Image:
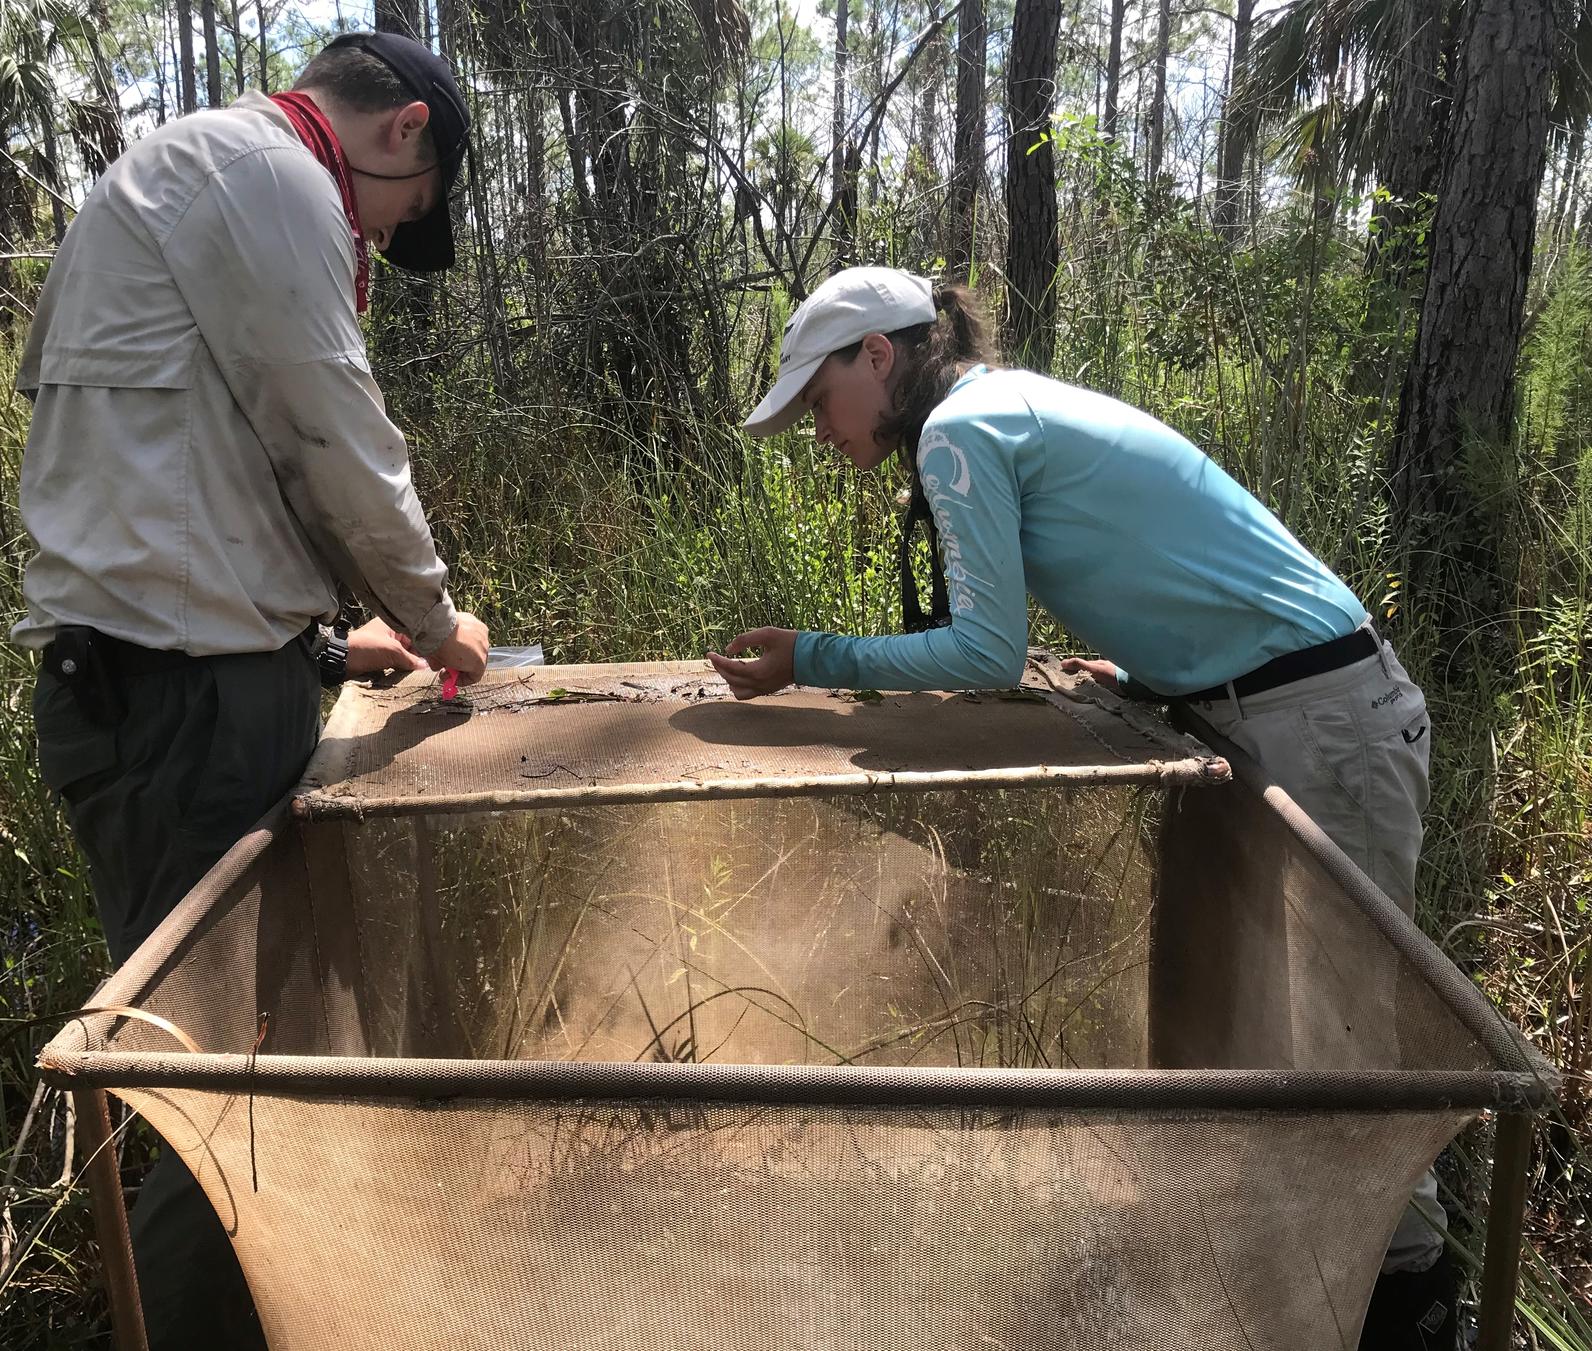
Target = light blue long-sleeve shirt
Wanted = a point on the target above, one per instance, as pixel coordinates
(1131, 537)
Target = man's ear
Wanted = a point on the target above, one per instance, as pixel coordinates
(408, 122)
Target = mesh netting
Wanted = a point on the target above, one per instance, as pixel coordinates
(617, 733)
(1062, 1060)
(663, 1224)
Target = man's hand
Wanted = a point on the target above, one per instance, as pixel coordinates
(375, 647)
(464, 650)
(774, 670)
(1101, 672)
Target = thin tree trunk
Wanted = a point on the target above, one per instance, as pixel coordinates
(925, 166)
(239, 79)
(265, 48)
(160, 49)
(1567, 184)
(1238, 127)
(1119, 13)
(1033, 246)
(491, 292)
(55, 178)
(190, 91)
(213, 90)
(1163, 49)
(844, 219)
(575, 145)
(160, 84)
(536, 198)
(877, 46)
(1458, 400)
(967, 173)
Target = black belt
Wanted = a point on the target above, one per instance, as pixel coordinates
(129, 659)
(93, 665)
(1332, 655)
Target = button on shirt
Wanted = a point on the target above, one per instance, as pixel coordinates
(209, 455)
(1135, 540)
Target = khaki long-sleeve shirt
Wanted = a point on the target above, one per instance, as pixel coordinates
(209, 455)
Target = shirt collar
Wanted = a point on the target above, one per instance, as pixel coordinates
(978, 370)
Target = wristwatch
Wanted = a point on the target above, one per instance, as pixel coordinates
(330, 651)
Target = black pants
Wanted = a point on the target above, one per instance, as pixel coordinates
(203, 752)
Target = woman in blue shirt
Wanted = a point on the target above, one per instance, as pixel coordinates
(1141, 546)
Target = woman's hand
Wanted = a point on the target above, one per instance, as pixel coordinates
(1101, 672)
(772, 671)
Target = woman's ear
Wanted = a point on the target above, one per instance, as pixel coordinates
(880, 352)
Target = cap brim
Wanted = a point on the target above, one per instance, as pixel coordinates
(782, 407)
(424, 245)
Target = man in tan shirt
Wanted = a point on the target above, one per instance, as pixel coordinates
(210, 470)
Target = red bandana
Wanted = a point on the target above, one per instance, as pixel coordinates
(321, 141)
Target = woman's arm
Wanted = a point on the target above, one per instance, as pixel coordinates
(970, 479)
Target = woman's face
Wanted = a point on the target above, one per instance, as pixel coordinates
(849, 400)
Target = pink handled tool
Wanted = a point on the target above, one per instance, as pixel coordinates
(450, 683)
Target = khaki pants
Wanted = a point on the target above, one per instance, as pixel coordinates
(1352, 748)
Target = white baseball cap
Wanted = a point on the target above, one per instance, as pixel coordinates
(843, 310)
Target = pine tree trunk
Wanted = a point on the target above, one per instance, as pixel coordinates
(265, 48)
(1238, 128)
(878, 48)
(1450, 455)
(55, 179)
(1163, 48)
(398, 16)
(935, 58)
(536, 199)
(235, 27)
(214, 94)
(967, 172)
(160, 86)
(1119, 13)
(190, 90)
(845, 223)
(1033, 246)
(1413, 157)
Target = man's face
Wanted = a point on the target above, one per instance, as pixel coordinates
(412, 185)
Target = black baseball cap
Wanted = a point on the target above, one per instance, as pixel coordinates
(424, 245)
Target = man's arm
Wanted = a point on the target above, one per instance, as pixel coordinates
(265, 261)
